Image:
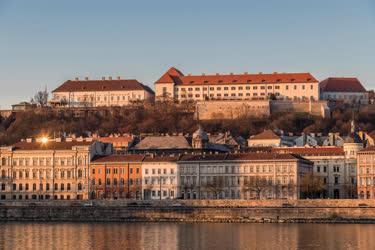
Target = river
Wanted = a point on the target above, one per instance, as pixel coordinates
(185, 236)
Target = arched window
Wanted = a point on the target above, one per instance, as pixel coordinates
(3, 161)
(80, 173)
(80, 161)
(47, 186)
(100, 181)
(62, 186)
(68, 187)
(115, 181)
(108, 181)
(56, 186)
(79, 186)
(34, 186)
(122, 181)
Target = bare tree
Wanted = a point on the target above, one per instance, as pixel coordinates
(311, 185)
(216, 186)
(256, 184)
(40, 98)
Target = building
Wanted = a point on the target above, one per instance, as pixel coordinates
(48, 169)
(121, 143)
(100, 93)
(160, 178)
(242, 176)
(333, 167)
(366, 173)
(117, 177)
(23, 106)
(292, 86)
(345, 89)
(267, 138)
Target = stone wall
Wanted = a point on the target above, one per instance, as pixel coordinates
(231, 109)
(193, 211)
(319, 108)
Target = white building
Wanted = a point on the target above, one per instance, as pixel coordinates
(267, 138)
(346, 89)
(242, 176)
(291, 86)
(159, 178)
(100, 93)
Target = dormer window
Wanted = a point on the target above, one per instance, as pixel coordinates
(191, 81)
(205, 81)
(220, 81)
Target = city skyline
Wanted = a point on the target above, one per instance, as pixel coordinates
(48, 43)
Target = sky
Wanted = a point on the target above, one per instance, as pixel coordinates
(44, 43)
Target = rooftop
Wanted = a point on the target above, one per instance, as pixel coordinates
(51, 145)
(341, 84)
(101, 85)
(310, 150)
(163, 142)
(119, 159)
(265, 135)
(175, 76)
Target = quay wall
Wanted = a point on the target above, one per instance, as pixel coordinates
(329, 211)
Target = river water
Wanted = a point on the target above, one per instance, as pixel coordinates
(185, 236)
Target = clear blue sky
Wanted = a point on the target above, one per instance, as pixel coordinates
(44, 42)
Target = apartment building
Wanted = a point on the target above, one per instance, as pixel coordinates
(242, 176)
(160, 178)
(48, 169)
(336, 171)
(117, 177)
(366, 173)
(291, 86)
(100, 93)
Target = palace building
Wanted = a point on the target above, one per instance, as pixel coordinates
(48, 169)
(287, 86)
(100, 93)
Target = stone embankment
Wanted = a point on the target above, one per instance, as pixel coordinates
(303, 211)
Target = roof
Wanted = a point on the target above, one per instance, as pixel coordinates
(175, 76)
(102, 85)
(341, 84)
(51, 145)
(160, 159)
(310, 151)
(240, 157)
(119, 159)
(265, 135)
(163, 142)
(117, 140)
(368, 150)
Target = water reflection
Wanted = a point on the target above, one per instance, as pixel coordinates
(184, 236)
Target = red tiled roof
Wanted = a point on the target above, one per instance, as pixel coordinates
(175, 76)
(310, 151)
(265, 135)
(368, 149)
(49, 145)
(341, 84)
(101, 85)
(239, 157)
(160, 159)
(119, 159)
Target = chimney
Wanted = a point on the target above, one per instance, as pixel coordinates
(103, 78)
(231, 73)
(86, 78)
(189, 74)
(246, 73)
(77, 78)
(260, 73)
(217, 74)
(119, 78)
(110, 78)
(203, 74)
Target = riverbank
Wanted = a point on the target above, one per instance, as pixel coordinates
(269, 211)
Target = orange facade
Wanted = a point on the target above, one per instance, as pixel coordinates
(116, 177)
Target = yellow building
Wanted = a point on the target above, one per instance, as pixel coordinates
(48, 169)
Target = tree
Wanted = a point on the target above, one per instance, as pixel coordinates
(40, 98)
(256, 184)
(312, 186)
(216, 186)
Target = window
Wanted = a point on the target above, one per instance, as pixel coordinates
(233, 88)
(68, 186)
(62, 186)
(47, 186)
(226, 88)
(27, 186)
(93, 171)
(56, 186)
(80, 173)
(79, 186)
(20, 187)
(336, 180)
(108, 181)
(34, 187)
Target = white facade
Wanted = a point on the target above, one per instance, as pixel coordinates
(159, 178)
